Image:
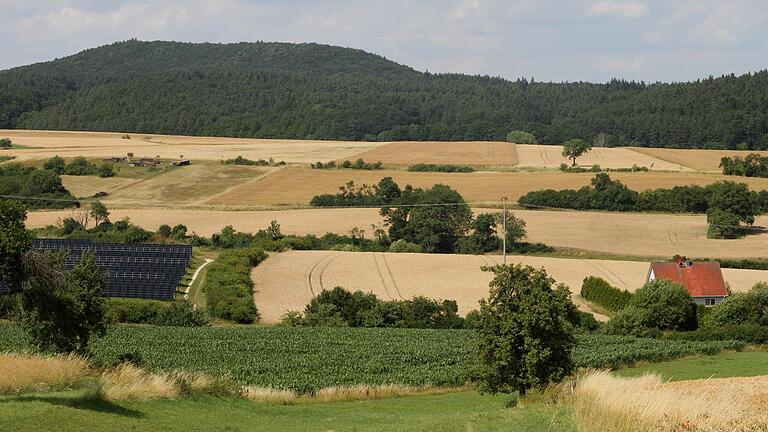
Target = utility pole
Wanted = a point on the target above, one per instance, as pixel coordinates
(504, 239)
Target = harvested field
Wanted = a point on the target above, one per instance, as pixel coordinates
(207, 222)
(44, 144)
(295, 185)
(287, 281)
(476, 153)
(635, 234)
(551, 156)
(700, 160)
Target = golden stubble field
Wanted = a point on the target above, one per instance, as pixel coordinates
(634, 234)
(44, 144)
(287, 281)
(475, 153)
(551, 156)
(297, 185)
(700, 160)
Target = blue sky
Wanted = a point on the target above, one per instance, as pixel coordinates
(577, 40)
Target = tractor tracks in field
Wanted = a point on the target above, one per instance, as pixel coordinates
(606, 271)
(317, 270)
(393, 292)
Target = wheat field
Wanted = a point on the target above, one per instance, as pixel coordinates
(297, 185)
(697, 159)
(551, 156)
(44, 144)
(475, 153)
(287, 281)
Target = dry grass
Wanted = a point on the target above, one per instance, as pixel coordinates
(700, 160)
(288, 281)
(35, 373)
(127, 382)
(342, 394)
(551, 156)
(295, 185)
(606, 403)
(108, 144)
(476, 153)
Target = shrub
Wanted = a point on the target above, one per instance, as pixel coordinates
(660, 304)
(106, 170)
(5, 143)
(56, 164)
(80, 166)
(164, 230)
(134, 311)
(750, 308)
(402, 246)
(602, 293)
(181, 314)
(749, 333)
(422, 167)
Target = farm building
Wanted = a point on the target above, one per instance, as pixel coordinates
(703, 279)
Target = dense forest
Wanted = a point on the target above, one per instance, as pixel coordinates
(324, 92)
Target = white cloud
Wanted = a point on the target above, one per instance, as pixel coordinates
(618, 9)
(463, 8)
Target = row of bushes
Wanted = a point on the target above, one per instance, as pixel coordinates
(727, 204)
(749, 333)
(422, 167)
(596, 169)
(229, 288)
(240, 160)
(754, 165)
(602, 293)
(140, 311)
(358, 165)
(341, 308)
(78, 166)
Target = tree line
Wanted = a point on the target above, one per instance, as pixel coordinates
(727, 204)
(311, 91)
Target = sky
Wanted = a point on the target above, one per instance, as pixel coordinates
(548, 40)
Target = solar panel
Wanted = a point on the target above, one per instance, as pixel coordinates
(151, 271)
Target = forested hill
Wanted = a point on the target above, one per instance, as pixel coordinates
(272, 90)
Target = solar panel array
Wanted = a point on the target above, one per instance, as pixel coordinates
(150, 271)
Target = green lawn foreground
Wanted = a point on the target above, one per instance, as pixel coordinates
(465, 411)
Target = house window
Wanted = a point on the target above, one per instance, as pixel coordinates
(709, 302)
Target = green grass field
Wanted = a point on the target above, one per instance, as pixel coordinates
(465, 411)
(723, 365)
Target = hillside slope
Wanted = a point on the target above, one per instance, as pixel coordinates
(282, 90)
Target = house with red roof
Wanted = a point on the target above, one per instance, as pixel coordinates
(703, 279)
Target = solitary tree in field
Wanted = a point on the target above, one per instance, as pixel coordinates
(526, 336)
(574, 148)
(99, 212)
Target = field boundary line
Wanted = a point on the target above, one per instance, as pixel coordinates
(208, 199)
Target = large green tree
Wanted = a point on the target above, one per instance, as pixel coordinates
(15, 241)
(62, 310)
(575, 148)
(526, 332)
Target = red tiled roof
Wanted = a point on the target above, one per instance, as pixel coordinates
(702, 279)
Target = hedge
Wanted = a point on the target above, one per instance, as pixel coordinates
(601, 292)
(229, 288)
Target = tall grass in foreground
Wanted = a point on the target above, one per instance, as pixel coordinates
(606, 403)
(20, 373)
